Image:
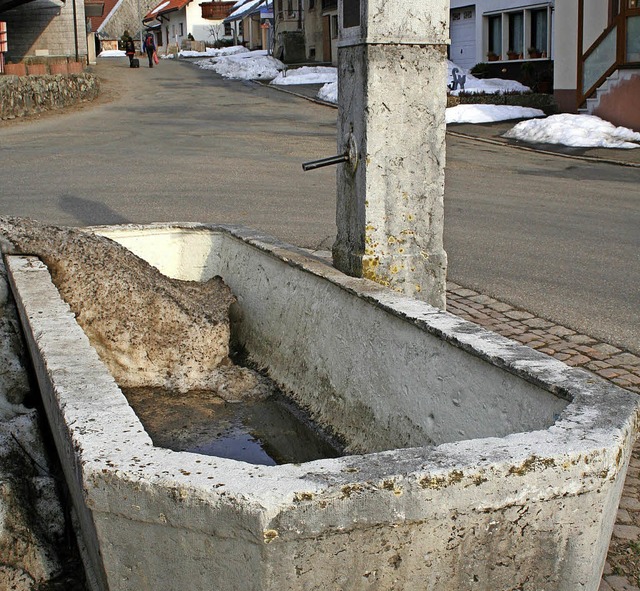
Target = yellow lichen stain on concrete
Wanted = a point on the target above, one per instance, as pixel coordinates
(532, 464)
(304, 496)
(418, 287)
(349, 489)
(269, 535)
(433, 482)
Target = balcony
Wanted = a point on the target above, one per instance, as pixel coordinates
(216, 11)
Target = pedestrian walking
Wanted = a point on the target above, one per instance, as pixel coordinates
(130, 50)
(150, 47)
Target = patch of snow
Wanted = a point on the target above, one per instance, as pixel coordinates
(583, 131)
(250, 65)
(112, 53)
(307, 75)
(211, 52)
(489, 113)
(329, 92)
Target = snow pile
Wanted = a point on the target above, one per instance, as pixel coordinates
(306, 75)
(583, 131)
(475, 85)
(112, 53)
(211, 52)
(489, 113)
(249, 65)
(329, 92)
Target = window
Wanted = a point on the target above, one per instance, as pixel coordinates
(227, 30)
(539, 30)
(181, 29)
(312, 4)
(516, 35)
(495, 34)
(334, 26)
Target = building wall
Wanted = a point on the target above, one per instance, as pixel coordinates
(201, 28)
(565, 39)
(482, 7)
(45, 28)
(126, 17)
(313, 31)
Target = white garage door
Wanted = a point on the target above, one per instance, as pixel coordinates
(463, 37)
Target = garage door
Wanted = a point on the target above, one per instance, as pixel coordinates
(463, 37)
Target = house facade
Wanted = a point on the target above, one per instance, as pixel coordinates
(597, 61)
(500, 30)
(172, 21)
(251, 23)
(321, 30)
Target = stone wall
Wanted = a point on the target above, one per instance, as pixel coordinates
(27, 95)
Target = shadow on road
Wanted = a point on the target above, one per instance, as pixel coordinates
(89, 212)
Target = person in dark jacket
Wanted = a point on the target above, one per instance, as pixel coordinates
(149, 46)
(130, 50)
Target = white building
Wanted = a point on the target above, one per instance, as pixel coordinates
(506, 30)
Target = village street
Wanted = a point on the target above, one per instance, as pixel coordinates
(557, 237)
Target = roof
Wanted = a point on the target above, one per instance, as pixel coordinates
(107, 8)
(164, 7)
(245, 9)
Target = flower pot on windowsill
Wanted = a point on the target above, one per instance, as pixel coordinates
(514, 55)
(492, 57)
(534, 54)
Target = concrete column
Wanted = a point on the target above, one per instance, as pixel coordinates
(392, 100)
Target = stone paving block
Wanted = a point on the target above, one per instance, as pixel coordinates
(627, 532)
(482, 299)
(464, 292)
(500, 307)
(577, 360)
(538, 323)
(610, 373)
(604, 586)
(606, 349)
(561, 331)
(623, 517)
(537, 344)
(597, 365)
(581, 339)
(618, 583)
(625, 359)
(630, 503)
(562, 356)
(451, 286)
(518, 315)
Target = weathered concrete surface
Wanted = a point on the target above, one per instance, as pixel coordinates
(530, 510)
(32, 523)
(391, 102)
(149, 330)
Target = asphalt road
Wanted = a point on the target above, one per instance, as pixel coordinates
(558, 237)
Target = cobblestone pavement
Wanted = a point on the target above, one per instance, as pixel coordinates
(622, 569)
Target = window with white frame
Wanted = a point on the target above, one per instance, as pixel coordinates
(518, 34)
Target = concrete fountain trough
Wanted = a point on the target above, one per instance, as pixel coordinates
(473, 462)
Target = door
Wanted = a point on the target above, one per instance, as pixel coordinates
(462, 30)
(326, 38)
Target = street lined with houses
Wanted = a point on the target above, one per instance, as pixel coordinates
(542, 248)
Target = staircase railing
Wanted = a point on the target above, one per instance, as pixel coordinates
(617, 46)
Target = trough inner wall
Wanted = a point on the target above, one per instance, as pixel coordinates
(349, 362)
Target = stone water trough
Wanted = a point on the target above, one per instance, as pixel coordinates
(473, 462)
